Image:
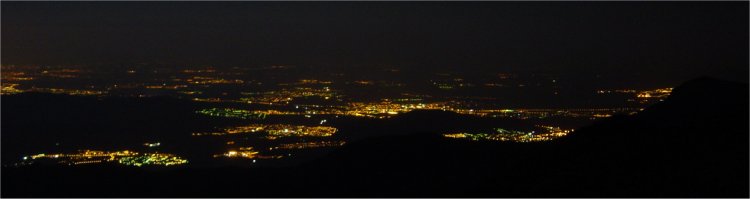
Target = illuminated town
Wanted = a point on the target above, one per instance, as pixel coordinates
(278, 130)
(546, 133)
(232, 113)
(152, 159)
(125, 157)
(247, 153)
(305, 145)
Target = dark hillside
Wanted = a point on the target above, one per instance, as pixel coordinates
(694, 144)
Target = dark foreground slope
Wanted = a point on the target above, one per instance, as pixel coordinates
(694, 144)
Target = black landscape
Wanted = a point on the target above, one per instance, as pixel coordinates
(375, 99)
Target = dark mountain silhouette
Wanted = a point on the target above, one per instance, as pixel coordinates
(694, 144)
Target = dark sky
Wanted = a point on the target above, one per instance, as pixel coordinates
(670, 39)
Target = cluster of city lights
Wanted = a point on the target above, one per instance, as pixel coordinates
(388, 109)
(152, 159)
(642, 96)
(284, 96)
(247, 153)
(500, 134)
(125, 157)
(306, 145)
(658, 93)
(278, 130)
(213, 80)
(232, 113)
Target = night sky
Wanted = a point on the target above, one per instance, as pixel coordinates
(676, 40)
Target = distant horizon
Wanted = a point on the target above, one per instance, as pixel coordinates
(672, 40)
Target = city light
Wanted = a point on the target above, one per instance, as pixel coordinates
(278, 130)
(156, 144)
(547, 133)
(125, 157)
(232, 113)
